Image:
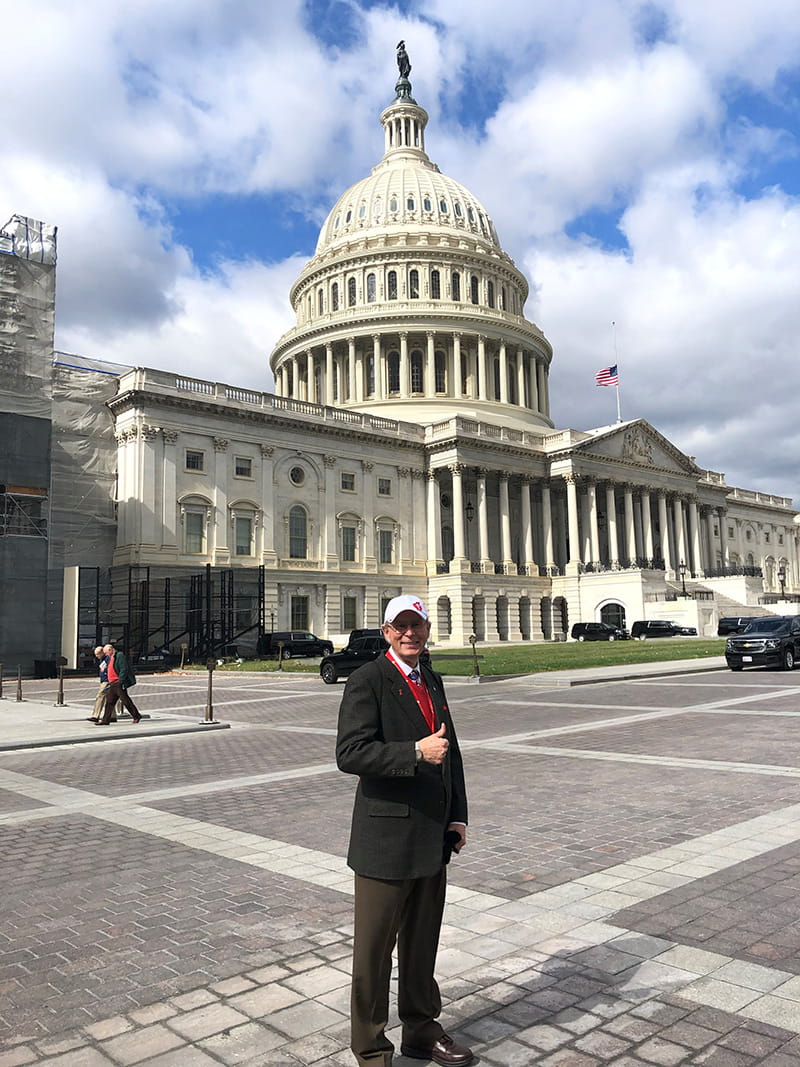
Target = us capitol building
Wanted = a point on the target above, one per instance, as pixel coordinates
(408, 447)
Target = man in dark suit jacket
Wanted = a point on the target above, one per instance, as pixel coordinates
(396, 734)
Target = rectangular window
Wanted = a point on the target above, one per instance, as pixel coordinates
(349, 544)
(243, 467)
(780, 539)
(348, 482)
(385, 546)
(298, 534)
(299, 610)
(243, 527)
(730, 531)
(349, 617)
(384, 487)
(194, 532)
(195, 461)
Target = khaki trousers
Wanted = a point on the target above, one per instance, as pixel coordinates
(99, 704)
(409, 913)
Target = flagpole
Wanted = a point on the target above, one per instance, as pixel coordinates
(616, 362)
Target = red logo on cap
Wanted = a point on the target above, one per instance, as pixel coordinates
(418, 606)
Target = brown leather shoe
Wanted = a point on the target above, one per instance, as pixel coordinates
(444, 1051)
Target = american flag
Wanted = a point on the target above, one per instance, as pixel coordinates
(607, 376)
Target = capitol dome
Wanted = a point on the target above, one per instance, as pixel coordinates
(406, 189)
(410, 308)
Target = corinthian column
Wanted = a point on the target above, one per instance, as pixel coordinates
(458, 511)
(573, 562)
(505, 520)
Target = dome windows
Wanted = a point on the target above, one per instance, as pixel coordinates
(377, 208)
(362, 210)
(393, 367)
(443, 206)
(336, 222)
(471, 215)
(413, 284)
(349, 216)
(426, 204)
(335, 296)
(459, 212)
(490, 294)
(391, 285)
(473, 288)
(393, 204)
(371, 289)
(436, 285)
(351, 292)
(417, 377)
(320, 302)
(410, 203)
(455, 282)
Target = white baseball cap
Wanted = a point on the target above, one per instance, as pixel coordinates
(402, 603)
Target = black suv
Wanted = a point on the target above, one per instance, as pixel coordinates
(295, 643)
(359, 651)
(774, 640)
(647, 628)
(735, 624)
(598, 631)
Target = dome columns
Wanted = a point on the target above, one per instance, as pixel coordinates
(411, 365)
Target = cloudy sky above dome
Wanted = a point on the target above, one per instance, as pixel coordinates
(639, 160)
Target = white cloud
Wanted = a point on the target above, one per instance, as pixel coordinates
(706, 324)
(223, 327)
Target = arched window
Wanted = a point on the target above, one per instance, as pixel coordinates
(391, 285)
(473, 288)
(351, 292)
(393, 204)
(436, 285)
(349, 215)
(455, 282)
(335, 296)
(443, 206)
(470, 214)
(490, 294)
(413, 284)
(298, 533)
(441, 372)
(410, 203)
(394, 372)
(496, 376)
(503, 303)
(371, 289)
(320, 302)
(416, 372)
(362, 210)
(459, 212)
(426, 204)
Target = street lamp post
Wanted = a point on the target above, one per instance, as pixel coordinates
(782, 580)
(682, 569)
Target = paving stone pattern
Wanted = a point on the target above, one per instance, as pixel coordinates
(629, 894)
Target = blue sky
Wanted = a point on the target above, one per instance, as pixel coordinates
(640, 162)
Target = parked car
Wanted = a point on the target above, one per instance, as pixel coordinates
(598, 631)
(370, 631)
(771, 641)
(295, 643)
(643, 629)
(735, 624)
(362, 650)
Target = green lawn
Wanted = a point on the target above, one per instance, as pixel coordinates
(530, 659)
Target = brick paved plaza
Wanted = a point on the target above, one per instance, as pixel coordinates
(630, 893)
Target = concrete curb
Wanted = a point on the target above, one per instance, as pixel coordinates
(112, 735)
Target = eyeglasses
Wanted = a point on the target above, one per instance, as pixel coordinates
(417, 625)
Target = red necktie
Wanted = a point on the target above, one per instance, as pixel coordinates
(423, 698)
